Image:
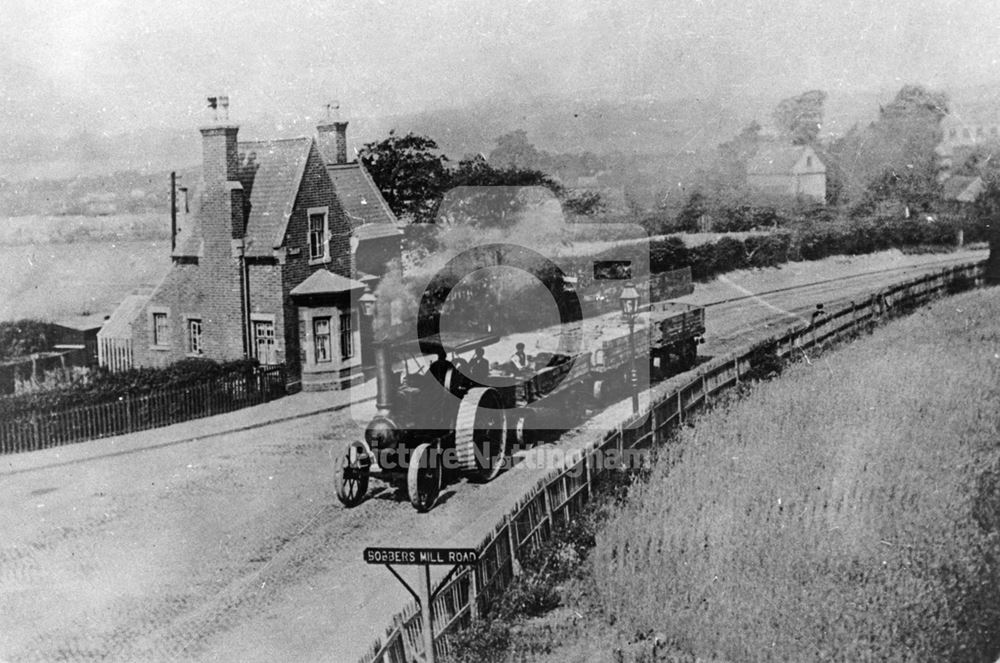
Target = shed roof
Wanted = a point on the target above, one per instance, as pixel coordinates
(962, 188)
(119, 325)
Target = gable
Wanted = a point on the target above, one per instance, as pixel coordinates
(271, 174)
(784, 160)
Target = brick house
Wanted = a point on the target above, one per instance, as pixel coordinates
(793, 170)
(269, 267)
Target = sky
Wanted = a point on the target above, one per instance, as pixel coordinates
(119, 66)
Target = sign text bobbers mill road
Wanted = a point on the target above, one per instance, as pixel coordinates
(421, 556)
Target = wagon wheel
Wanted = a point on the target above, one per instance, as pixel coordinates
(353, 469)
(689, 354)
(423, 477)
(481, 433)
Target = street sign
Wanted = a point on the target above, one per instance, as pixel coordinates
(425, 557)
(409, 556)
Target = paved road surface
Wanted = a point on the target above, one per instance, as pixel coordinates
(161, 547)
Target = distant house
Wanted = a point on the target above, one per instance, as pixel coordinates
(961, 190)
(969, 129)
(793, 170)
(289, 234)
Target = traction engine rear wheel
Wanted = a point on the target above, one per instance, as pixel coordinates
(481, 433)
(423, 477)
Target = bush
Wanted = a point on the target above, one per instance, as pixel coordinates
(24, 337)
(105, 386)
(668, 253)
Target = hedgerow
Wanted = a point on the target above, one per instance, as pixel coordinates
(811, 240)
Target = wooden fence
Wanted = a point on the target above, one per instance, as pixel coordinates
(49, 428)
(563, 493)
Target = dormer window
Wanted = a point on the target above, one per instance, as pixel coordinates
(319, 234)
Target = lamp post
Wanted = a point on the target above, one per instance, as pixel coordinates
(630, 309)
(366, 303)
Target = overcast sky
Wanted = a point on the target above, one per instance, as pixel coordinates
(119, 65)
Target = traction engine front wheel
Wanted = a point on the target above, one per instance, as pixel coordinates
(423, 477)
(352, 472)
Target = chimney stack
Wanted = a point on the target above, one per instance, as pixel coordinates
(332, 136)
(222, 199)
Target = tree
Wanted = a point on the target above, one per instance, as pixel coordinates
(409, 172)
(486, 198)
(895, 155)
(690, 216)
(514, 151)
(800, 118)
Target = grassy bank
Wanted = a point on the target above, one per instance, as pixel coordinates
(848, 511)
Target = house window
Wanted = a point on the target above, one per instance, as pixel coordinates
(953, 133)
(322, 340)
(194, 345)
(161, 329)
(979, 131)
(966, 133)
(319, 231)
(809, 162)
(263, 339)
(347, 335)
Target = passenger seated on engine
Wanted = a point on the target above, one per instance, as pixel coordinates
(479, 367)
(439, 367)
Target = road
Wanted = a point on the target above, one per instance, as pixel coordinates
(234, 547)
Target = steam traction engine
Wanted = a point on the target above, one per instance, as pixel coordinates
(430, 424)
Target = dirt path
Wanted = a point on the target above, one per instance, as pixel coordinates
(235, 548)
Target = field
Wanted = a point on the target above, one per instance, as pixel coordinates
(847, 511)
(116, 228)
(68, 280)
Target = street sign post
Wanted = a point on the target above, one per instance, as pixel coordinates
(425, 557)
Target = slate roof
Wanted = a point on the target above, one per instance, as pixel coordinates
(776, 160)
(323, 282)
(119, 325)
(361, 199)
(271, 173)
(962, 188)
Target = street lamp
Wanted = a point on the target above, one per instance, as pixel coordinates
(367, 302)
(630, 309)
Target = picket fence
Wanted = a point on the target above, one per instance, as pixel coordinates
(41, 429)
(561, 494)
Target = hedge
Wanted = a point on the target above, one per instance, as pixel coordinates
(810, 241)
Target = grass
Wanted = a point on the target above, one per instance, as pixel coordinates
(849, 511)
(845, 512)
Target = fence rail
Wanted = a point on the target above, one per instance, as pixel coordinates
(42, 429)
(563, 492)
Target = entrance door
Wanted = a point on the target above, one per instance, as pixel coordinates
(263, 336)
